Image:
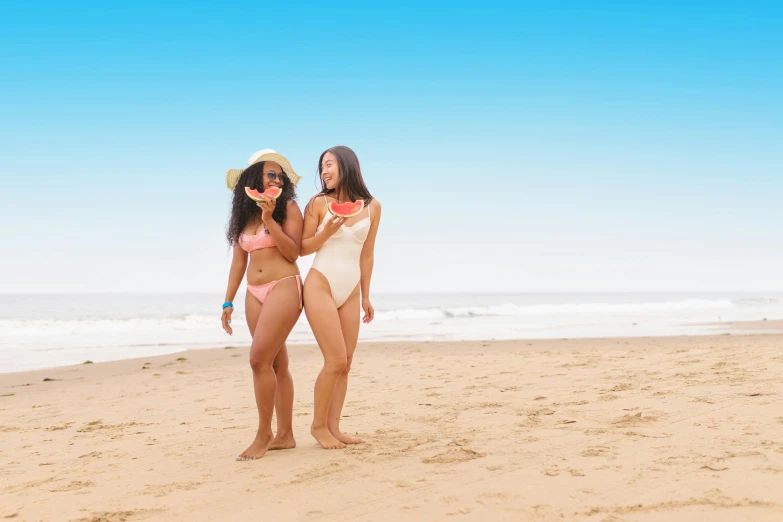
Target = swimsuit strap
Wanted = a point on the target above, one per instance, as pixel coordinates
(326, 213)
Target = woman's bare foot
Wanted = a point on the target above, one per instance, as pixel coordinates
(283, 441)
(258, 448)
(325, 438)
(342, 437)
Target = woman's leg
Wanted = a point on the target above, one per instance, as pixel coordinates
(284, 403)
(284, 398)
(349, 323)
(278, 316)
(325, 322)
(252, 311)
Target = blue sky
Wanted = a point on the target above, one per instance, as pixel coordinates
(572, 146)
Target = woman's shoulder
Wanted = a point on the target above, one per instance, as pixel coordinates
(292, 208)
(316, 207)
(317, 201)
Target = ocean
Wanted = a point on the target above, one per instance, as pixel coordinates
(40, 331)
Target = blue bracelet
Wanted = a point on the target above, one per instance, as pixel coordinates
(227, 304)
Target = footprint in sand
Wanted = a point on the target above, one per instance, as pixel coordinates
(638, 419)
(59, 428)
(454, 455)
(540, 411)
(73, 486)
(485, 405)
(99, 425)
(119, 516)
(93, 454)
(90, 426)
(162, 490)
(320, 472)
(598, 451)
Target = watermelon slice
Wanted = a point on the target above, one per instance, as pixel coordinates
(346, 210)
(270, 193)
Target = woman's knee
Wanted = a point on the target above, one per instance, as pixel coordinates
(280, 366)
(347, 365)
(335, 365)
(259, 360)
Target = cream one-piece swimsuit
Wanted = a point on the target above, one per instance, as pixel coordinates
(338, 258)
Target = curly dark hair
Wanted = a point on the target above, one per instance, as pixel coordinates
(244, 210)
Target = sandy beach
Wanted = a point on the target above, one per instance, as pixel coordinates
(652, 429)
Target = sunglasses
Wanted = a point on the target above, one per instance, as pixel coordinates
(272, 175)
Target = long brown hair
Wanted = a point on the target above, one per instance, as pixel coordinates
(350, 183)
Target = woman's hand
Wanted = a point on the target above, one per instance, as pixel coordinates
(333, 225)
(267, 208)
(369, 311)
(226, 319)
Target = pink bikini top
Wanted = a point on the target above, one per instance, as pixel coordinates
(256, 241)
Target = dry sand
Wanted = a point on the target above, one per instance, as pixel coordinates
(651, 429)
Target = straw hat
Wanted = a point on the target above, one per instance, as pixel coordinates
(232, 176)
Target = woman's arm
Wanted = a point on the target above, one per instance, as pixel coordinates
(312, 242)
(235, 275)
(288, 238)
(367, 260)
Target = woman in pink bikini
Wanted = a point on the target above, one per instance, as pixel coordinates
(338, 284)
(269, 234)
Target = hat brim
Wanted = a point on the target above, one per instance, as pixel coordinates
(232, 176)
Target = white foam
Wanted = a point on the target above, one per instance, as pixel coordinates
(512, 310)
(109, 330)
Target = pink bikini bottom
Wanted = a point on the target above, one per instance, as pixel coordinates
(261, 291)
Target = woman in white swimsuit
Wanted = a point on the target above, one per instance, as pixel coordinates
(339, 277)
